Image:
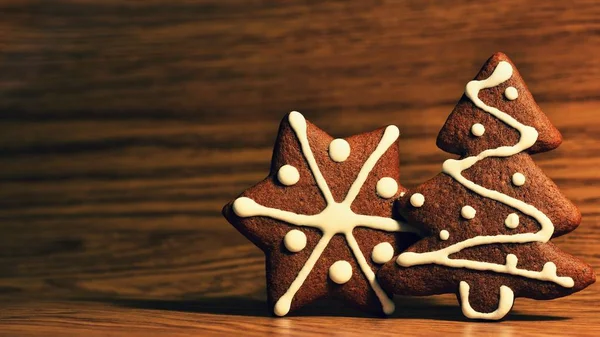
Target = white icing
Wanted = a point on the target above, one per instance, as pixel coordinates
(402, 194)
(294, 240)
(340, 272)
(511, 261)
(339, 150)
(512, 220)
(505, 303)
(417, 200)
(518, 179)
(336, 218)
(387, 187)
(444, 235)
(382, 253)
(468, 212)
(288, 175)
(454, 168)
(511, 93)
(477, 130)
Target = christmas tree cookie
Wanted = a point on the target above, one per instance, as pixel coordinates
(323, 216)
(490, 215)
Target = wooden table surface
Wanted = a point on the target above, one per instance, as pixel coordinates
(126, 125)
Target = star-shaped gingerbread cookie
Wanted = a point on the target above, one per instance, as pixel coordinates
(323, 216)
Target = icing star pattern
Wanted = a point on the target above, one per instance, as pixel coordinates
(335, 218)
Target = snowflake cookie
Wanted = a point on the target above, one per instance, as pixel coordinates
(323, 216)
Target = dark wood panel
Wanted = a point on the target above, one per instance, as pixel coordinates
(258, 59)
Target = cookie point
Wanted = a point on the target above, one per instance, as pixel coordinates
(505, 68)
(242, 207)
(471, 86)
(392, 131)
(295, 116)
(389, 308)
(282, 307)
(500, 55)
(450, 165)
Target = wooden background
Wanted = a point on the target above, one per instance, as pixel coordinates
(126, 125)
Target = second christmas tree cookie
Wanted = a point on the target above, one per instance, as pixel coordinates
(491, 213)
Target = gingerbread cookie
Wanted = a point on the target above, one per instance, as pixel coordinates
(490, 214)
(323, 216)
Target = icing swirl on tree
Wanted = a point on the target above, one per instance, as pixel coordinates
(454, 168)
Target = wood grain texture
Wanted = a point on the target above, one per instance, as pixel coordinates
(126, 125)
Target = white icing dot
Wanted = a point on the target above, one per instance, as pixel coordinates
(511, 261)
(468, 212)
(382, 253)
(512, 220)
(340, 272)
(402, 194)
(387, 187)
(549, 268)
(518, 179)
(288, 175)
(417, 200)
(444, 234)
(339, 150)
(511, 93)
(477, 129)
(294, 241)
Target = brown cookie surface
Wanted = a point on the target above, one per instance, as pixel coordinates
(489, 215)
(323, 216)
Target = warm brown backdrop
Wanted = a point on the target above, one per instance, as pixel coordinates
(126, 125)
